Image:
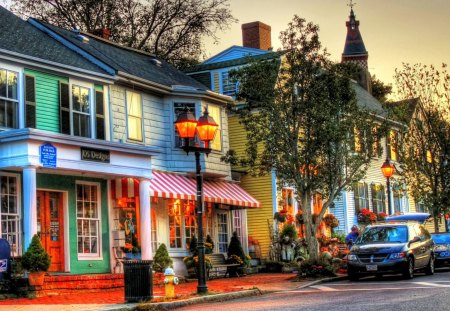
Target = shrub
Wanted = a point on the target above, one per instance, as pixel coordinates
(209, 245)
(235, 248)
(289, 230)
(193, 246)
(35, 258)
(162, 260)
(310, 268)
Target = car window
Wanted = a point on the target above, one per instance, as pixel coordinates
(441, 238)
(397, 234)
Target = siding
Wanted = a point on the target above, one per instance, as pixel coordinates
(47, 100)
(258, 220)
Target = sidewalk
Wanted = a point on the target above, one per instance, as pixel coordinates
(223, 289)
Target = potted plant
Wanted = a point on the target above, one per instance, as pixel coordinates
(161, 261)
(36, 261)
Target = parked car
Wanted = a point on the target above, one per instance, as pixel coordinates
(393, 247)
(441, 248)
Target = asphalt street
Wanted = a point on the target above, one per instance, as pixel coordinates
(431, 293)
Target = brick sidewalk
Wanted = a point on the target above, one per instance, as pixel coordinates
(263, 281)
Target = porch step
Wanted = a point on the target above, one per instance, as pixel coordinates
(60, 284)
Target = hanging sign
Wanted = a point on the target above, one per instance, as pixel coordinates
(47, 155)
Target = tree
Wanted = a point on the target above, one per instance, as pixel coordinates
(162, 260)
(170, 29)
(300, 113)
(425, 155)
(380, 90)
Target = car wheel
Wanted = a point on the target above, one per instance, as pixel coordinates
(409, 271)
(429, 270)
(353, 276)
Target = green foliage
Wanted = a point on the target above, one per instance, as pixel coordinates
(235, 248)
(339, 236)
(193, 246)
(380, 90)
(162, 260)
(209, 245)
(316, 268)
(35, 258)
(307, 114)
(289, 230)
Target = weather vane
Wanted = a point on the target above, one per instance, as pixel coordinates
(351, 4)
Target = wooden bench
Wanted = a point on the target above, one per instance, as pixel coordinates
(220, 266)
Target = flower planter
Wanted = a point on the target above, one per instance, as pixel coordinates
(36, 278)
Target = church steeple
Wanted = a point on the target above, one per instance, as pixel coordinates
(354, 49)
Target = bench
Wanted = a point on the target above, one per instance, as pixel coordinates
(220, 266)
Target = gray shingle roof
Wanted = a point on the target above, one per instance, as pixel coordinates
(16, 35)
(129, 61)
(367, 101)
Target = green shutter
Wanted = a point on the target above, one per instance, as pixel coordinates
(64, 106)
(99, 115)
(30, 102)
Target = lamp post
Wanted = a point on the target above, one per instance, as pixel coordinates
(388, 170)
(187, 127)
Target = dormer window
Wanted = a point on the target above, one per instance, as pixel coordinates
(228, 87)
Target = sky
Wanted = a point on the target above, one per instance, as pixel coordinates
(394, 31)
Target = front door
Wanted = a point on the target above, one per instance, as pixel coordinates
(50, 226)
(222, 231)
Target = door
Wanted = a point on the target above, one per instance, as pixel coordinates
(50, 227)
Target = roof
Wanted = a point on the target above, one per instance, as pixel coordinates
(127, 60)
(403, 110)
(234, 52)
(232, 62)
(18, 36)
(354, 44)
(367, 101)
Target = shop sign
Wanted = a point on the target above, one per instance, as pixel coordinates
(97, 155)
(47, 155)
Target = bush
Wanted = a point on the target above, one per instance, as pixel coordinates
(35, 258)
(235, 248)
(162, 260)
(193, 246)
(310, 268)
(209, 245)
(289, 230)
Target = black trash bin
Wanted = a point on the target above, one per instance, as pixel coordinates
(138, 280)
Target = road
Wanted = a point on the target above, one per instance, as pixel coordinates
(428, 293)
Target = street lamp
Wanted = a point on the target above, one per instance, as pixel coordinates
(388, 170)
(187, 127)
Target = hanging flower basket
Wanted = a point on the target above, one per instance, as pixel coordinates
(299, 218)
(280, 216)
(366, 217)
(331, 220)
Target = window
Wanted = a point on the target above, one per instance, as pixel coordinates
(154, 231)
(237, 224)
(376, 146)
(228, 87)
(88, 219)
(421, 208)
(361, 196)
(175, 225)
(378, 198)
(215, 113)
(134, 115)
(75, 110)
(179, 108)
(9, 104)
(223, 236)
(190, 221)
(393, 145)
(81, 111)
(9, 211)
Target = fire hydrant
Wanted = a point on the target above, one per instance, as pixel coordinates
(170, 281)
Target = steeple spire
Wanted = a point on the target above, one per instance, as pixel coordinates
(354, 49)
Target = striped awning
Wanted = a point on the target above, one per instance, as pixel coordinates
(170, 185)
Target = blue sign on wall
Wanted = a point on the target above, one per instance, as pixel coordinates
(48, 155)
(5, 260)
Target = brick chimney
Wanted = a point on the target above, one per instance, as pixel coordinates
(102, 33)
(256, 35)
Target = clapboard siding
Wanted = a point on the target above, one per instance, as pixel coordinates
(258, 219)
(47, 99)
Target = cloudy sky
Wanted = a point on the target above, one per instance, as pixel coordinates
(394, 31)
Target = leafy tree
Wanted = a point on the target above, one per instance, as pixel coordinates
(425, 156)
(170, 29)
(300, 113)
(162, 260)
(380, 90)
(35, 259)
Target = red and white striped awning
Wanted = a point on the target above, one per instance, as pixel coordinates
(170, 185)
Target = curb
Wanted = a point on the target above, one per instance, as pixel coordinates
(191, 301)
(325, 280)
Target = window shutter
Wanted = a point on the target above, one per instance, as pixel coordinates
(64, 108)
(388, 145)
(30, 102)
(99, 115)
(356, 198)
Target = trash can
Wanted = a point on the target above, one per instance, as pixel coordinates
(138, 280)
(5, 259)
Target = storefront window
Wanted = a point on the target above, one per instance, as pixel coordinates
(175, 224)
(9, 211)
(88, 219)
